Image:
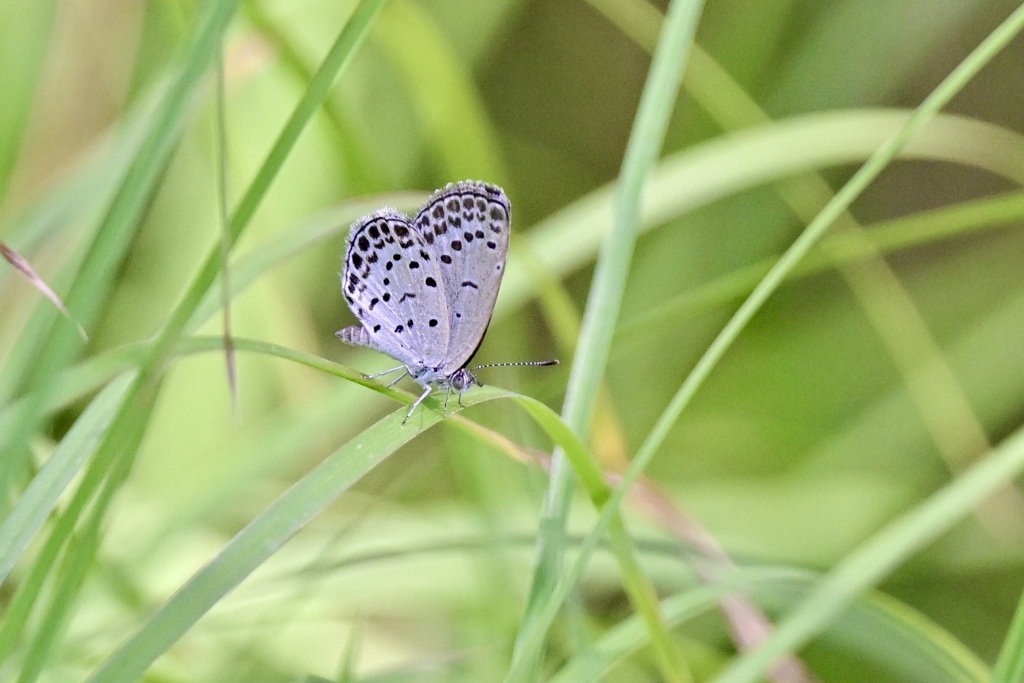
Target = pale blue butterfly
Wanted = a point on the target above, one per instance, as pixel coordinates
(424, 289)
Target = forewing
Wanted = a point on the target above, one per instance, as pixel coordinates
(467, 225)
(392, 283)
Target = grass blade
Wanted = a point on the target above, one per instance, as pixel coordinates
(880, 555)
(602, 311)
(304, 500)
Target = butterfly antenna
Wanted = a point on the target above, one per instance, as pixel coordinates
(545, 363)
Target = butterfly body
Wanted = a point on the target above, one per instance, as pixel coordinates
(423, 288)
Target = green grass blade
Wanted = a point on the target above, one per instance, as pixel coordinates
(807, 239)
(1010, 664)
(338, 56)
(442, 95)
(360, 170)
(568, 239)
(117, 450)
(271, 529)
(840, 203)
(86, 297)
(258, 541)
(875, 627)
(662, 204)
(880, 555)
(906, 232)
(223, 210)
(602, 311)
(39, 500)
(71, 576)
(22, 57)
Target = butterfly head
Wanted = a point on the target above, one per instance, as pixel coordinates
(462, 379)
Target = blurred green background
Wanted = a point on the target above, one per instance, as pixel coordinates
(817, 428)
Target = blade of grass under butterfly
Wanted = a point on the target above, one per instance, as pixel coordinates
(279, 522)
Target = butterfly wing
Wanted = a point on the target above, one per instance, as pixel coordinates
(392, 282)
(467, 225)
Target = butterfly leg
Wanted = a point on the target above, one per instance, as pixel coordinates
(388, 372)
(447, 396)
(426, 392)
(398, 379)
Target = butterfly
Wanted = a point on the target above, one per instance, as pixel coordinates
(424, 288)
